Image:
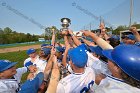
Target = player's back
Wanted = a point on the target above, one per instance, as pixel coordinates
(76, 83)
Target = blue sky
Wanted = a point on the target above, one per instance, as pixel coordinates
(49, 12)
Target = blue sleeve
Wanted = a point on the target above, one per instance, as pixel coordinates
(28, 64)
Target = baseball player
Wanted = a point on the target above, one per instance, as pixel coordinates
(132, 39)
(121, 60)
(34, 60)
(44, 54)
(33, 85)
(124, 66)
(81, 78)
(10, 77)
(97, 65)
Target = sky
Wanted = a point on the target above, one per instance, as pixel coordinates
(31, 16)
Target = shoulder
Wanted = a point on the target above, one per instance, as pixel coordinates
(66, 80)
(41, 62)
(2, 84)
(108, 85)
(8, 86)
(3, 87)
(92, 60)
(89, 70)
(27, 60)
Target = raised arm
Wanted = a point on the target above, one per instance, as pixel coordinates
(102, 43)
(103, 31)
(49, 65)
(89, 43)
(55, 76)
(135, 32)
(75, 39)
(67, 45)
(53, 37)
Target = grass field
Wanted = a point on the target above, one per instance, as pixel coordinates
(19, 56)
(16, 57)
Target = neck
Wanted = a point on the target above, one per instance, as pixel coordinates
(78, 70)
(117, 76)
(33, 58)
(10, 77)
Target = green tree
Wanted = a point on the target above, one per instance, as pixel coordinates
(1, 31)
(118, 29)
(7, 30)
(8, 36)
(136, 25)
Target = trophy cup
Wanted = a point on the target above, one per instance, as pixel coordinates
(65, 24)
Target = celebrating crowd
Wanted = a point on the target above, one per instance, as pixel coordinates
(103, 65)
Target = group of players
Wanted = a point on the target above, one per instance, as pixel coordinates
(103, 65)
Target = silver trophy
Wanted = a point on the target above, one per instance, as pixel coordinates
(65, 24)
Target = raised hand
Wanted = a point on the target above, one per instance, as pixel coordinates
(32, 68)
(30, 76)
(86, 33)
(53, 51)
(133, 29)
(70, 31)
(103, 31)
(102, 26)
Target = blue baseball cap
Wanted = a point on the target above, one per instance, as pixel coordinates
(30, 51)
(78, 56)
(32, 86)
(60, 49)
(115, 37)
(46, 50)
(6, 64)
(96, 49)
(107, 53)
(83, 46)
(43, 45)
(130, 36)
(127, 57)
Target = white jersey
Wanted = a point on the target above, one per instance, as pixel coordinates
(40, 64)
(12, 85)
(98, 65)
(114, 85)
(77, 83)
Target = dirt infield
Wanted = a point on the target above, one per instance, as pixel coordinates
(21, 48)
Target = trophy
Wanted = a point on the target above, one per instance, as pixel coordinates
(65, 24)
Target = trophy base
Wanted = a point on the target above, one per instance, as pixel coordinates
(65, 29)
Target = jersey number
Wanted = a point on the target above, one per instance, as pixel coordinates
(86, 89)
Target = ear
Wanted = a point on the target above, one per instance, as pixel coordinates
(117, 69)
